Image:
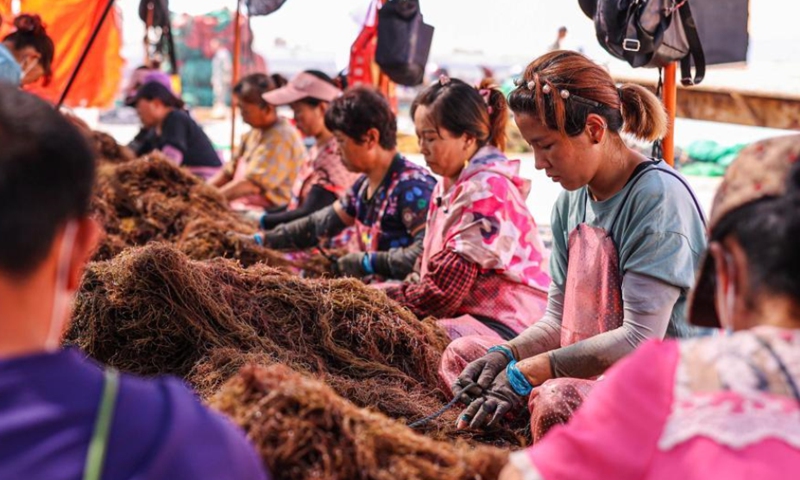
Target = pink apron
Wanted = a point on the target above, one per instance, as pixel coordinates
(592, 305)
(249, 202)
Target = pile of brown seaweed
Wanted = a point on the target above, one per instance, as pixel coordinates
(303, 430)
(152, 310)
(150, 199)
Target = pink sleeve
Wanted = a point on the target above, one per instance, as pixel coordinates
(615, 432)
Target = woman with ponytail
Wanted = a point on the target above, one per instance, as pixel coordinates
(723, 406)
(26, 55)
(484, 267)
(627, 238)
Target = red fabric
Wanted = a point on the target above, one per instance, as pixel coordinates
(441, 292)
(70, 24)
(362, 53)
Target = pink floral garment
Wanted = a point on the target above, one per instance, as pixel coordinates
(324, 169)
(713, 407)
(483, 217)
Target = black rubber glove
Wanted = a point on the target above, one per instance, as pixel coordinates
(486, 411)
(481, 372)
(305, 232)
(397, 263)
(351, 265)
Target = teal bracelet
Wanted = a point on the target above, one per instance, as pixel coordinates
(518, 382)
(259, 239)
(504, 350)
(366, 262)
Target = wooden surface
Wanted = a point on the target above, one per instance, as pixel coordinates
(766, 95)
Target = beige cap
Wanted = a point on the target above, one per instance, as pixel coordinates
(302, 86)
(760, 170)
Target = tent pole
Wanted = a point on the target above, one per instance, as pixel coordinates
(85, 53)
(148, 24)
(237, 40)
(671, 104)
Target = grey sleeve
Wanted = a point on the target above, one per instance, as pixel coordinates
(544, 335)
(397, 263)
(647, 304)
(305, 232)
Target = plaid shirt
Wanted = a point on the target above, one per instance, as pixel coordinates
(274, 157)
(443, 290)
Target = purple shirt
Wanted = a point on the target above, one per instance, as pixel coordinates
(48, 405)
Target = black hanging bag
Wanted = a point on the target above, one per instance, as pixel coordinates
(649, 33)
(404, 42)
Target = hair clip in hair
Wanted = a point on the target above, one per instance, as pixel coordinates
(565, 94)
(531, 85)
(546, 89)
(444, 80)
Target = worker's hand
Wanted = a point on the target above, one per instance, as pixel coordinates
(478, 375)
(257, 238)
(351, 265)
(253, 215)
(487, 411)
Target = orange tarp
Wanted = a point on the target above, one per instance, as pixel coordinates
(7, 16)
(70, 24)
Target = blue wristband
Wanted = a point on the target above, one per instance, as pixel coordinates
(504, 350)
(366, 262)
(518, 382)
(259, 239)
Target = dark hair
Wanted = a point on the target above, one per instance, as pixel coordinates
(31, 32)
(360, 109)
(461, 108)
(767, 230)
(313, 102)
(154, 90)
(590, 89)
(46, 177)
(251, 88)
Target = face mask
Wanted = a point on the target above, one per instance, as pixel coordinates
(62, 297)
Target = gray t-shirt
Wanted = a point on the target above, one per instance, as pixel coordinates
(656, 225)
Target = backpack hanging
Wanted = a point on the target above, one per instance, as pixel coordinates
(404, 42)
(649, 33)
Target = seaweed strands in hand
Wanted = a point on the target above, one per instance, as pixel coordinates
(150, 199)
(152, 310)
(303, 430)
